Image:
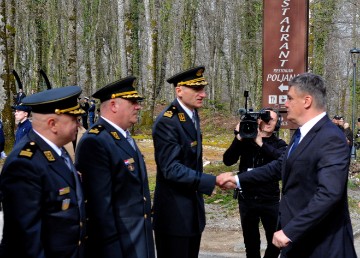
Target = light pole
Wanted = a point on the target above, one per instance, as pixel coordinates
(354, 58)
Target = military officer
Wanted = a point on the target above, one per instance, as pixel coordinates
(22, 114)
(179, 212)
(115, 179)
(43, 205)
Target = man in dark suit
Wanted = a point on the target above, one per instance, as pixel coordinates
(314, 218)
(179, 213)
(44, 211)
(115, 178)
(85, 106)
(19, 96)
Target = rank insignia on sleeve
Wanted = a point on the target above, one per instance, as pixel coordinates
(115, 135)
(130, 164)
(64, 190)
(182, 117)
(49, 155)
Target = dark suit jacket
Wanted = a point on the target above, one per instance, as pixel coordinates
(178, 201)
(117, 192)
(19, 98)
(313, 209)
(41, 214)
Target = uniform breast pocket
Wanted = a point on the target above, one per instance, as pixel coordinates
(59, 199)
(193, 145)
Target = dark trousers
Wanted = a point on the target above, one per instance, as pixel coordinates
(252, 211)
(177, 247)
(84, 121)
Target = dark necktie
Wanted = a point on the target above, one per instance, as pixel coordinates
(130, 139)
(194, 119)
(72, 168)
(297, 137)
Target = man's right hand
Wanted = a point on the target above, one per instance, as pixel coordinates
(226, 181)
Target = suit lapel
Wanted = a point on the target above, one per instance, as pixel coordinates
(301, 148)
(55, 163)
(141, 163)
(185, 121)
(123, 143)
(119, 139)
(199, 142)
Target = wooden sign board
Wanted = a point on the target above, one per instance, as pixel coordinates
(285, 40)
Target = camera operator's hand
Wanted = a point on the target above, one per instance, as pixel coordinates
(258, 140)
(237, 130)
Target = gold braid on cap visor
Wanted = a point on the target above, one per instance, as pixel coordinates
(195, 82)
(126, 95)
(73, 110)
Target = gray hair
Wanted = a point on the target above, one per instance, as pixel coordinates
(313, 85)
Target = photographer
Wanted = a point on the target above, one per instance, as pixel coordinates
(257, 201)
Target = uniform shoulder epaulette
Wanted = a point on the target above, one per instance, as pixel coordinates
(96, 129)
(170, 111)
(28, 150)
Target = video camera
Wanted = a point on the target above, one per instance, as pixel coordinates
(248, 120)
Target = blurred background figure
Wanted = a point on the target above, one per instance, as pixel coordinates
(92, 112)
(71, 146)
(22, 114)
(357, 136)
(85, 106)
(19, 96)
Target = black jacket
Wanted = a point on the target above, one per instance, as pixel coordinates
(116, 188)
(252, 156)
(42, 215)
(180, 182)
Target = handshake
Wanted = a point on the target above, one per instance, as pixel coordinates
(226, 181)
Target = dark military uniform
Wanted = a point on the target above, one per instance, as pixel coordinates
(43, 210)
(115, 187)
(22, 129)
(179, 213)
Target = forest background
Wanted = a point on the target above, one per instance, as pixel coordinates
(93, 42)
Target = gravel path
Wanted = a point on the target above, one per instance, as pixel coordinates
(222, 237)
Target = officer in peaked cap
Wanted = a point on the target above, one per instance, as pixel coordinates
(22, 107)
(43, 203)
(123, 88)
(193, 78)
(56, 101)
(22, 114)
(114, 177)
(179, 212)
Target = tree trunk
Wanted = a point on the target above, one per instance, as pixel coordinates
(7, 54)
